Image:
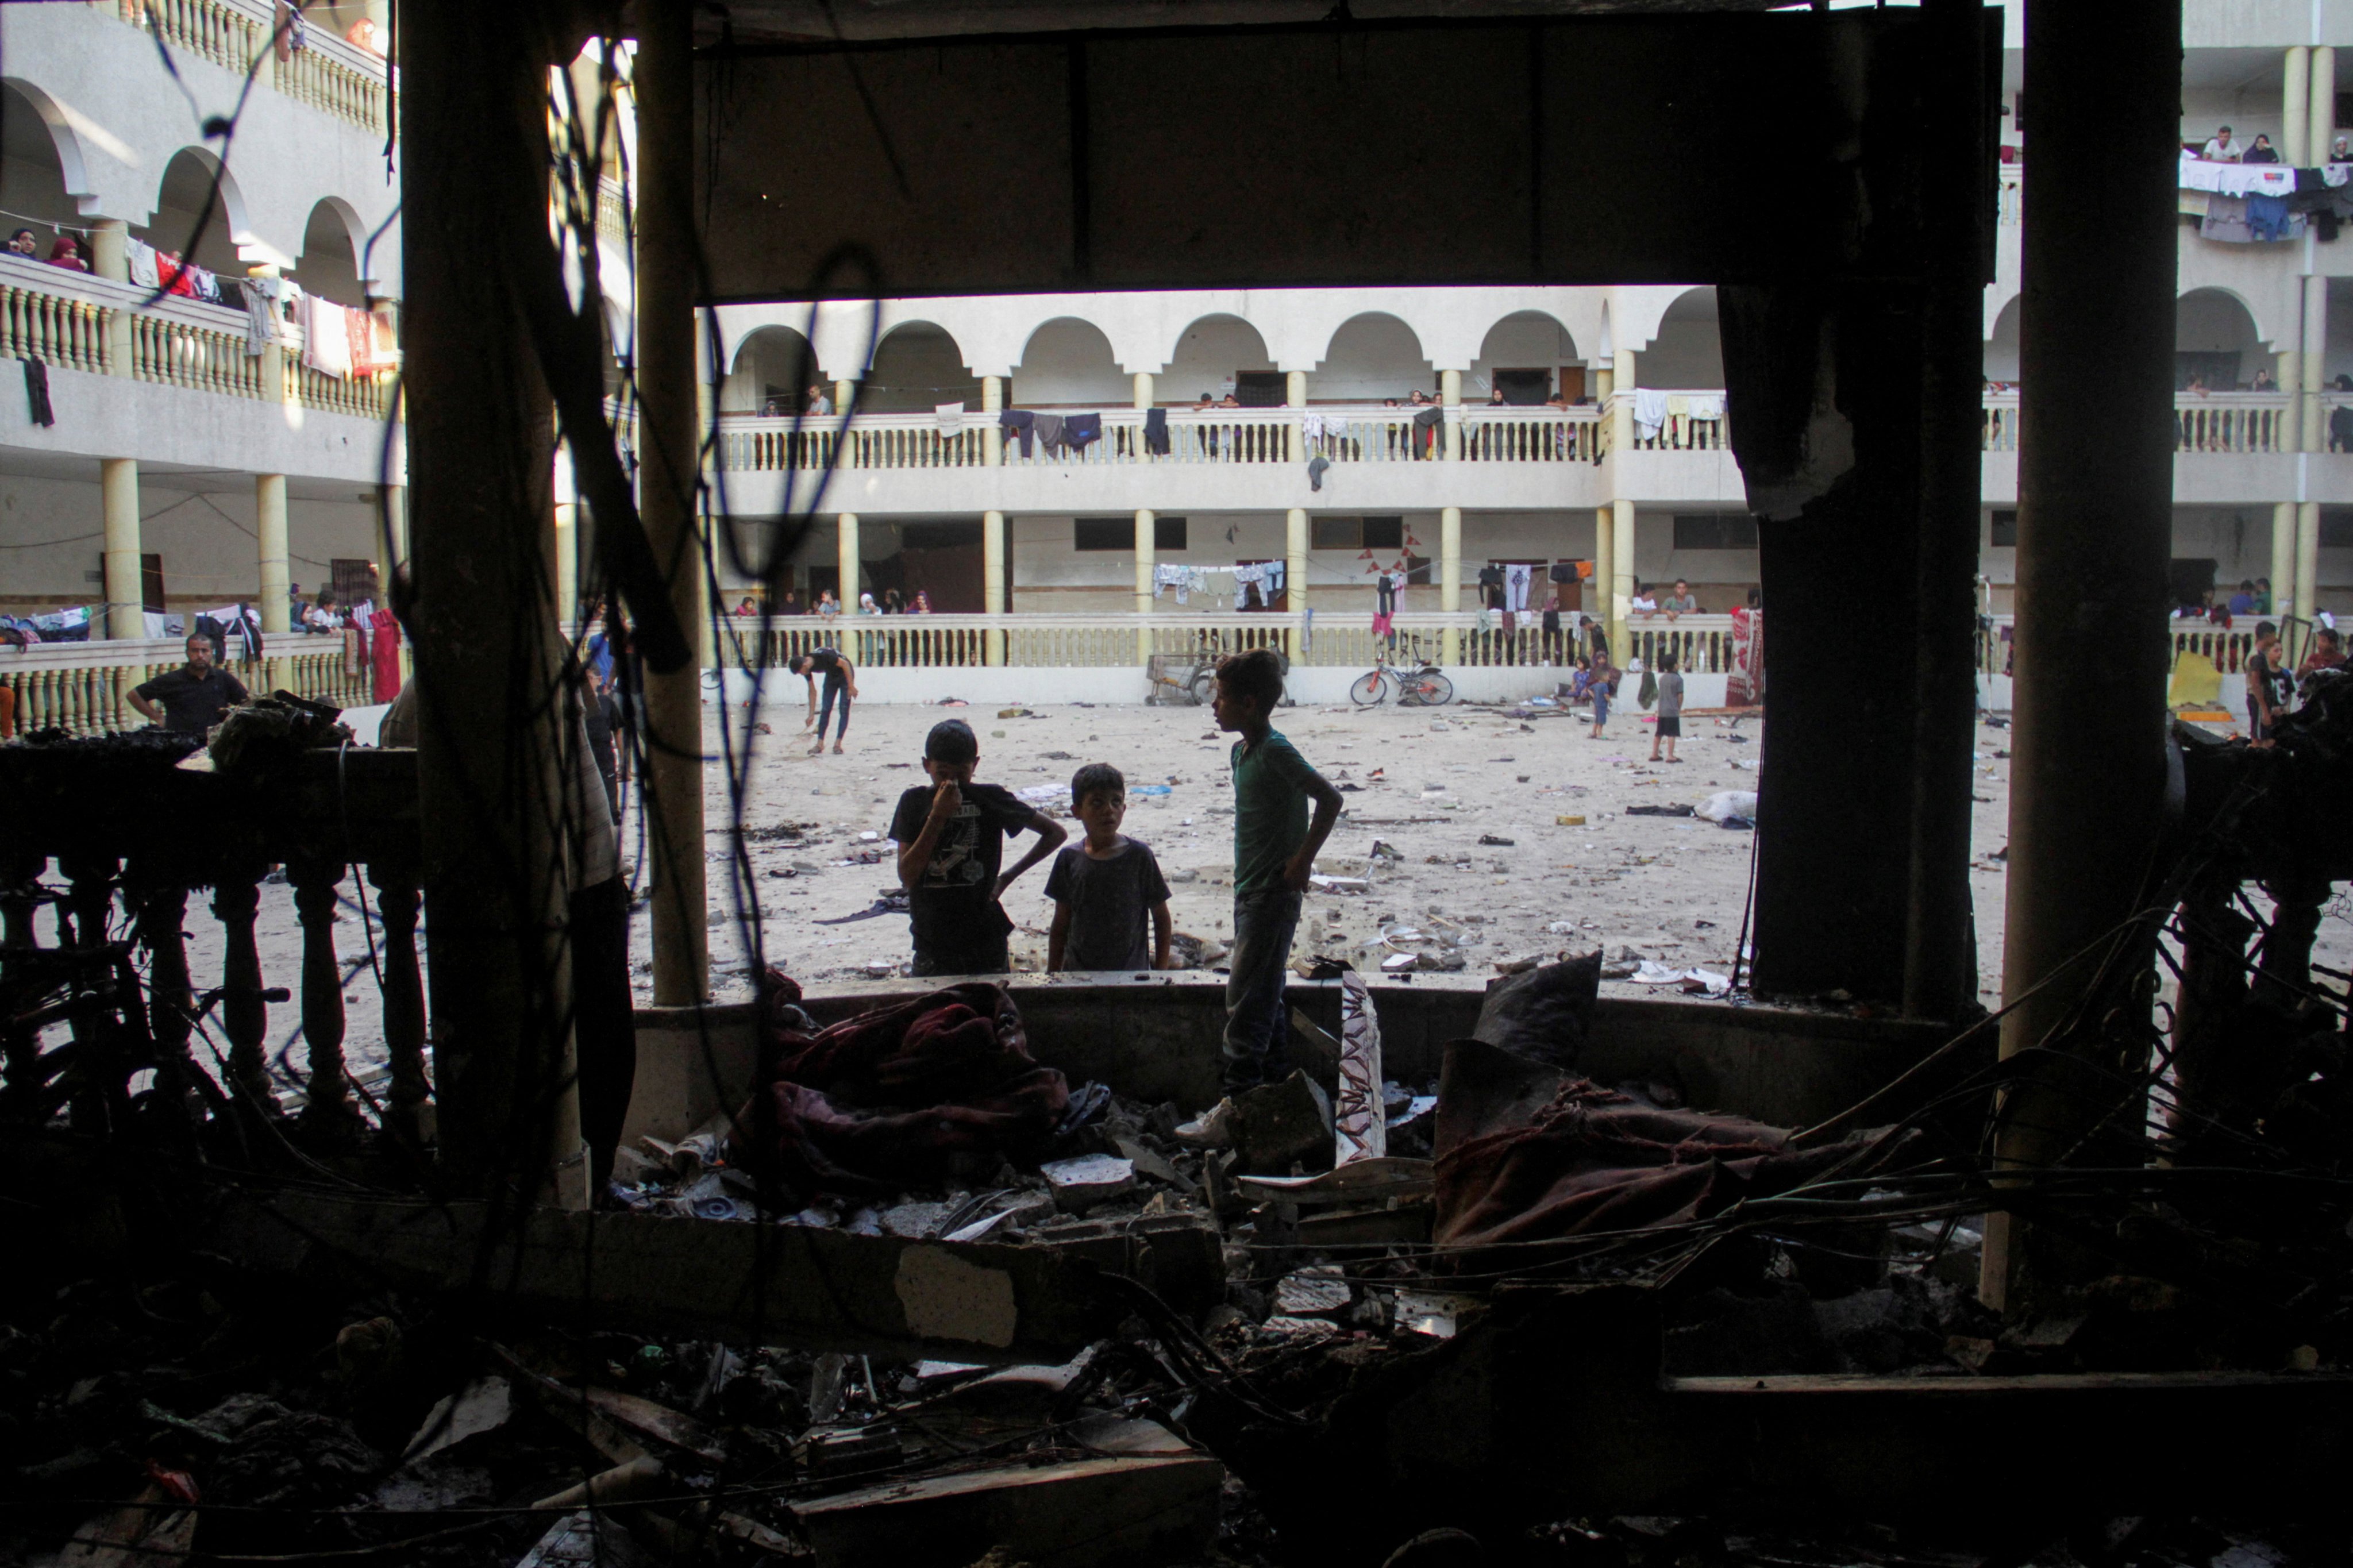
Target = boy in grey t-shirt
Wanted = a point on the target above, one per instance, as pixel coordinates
(1103, 889)
(1671, 707)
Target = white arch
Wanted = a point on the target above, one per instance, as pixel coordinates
(229, 207)
(1371, 316)
(60, 122)
(1530, 312)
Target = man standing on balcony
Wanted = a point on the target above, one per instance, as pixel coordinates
(819, 402)
(194, 696)
(2222, 149)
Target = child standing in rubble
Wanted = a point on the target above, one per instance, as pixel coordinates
(1274, 851)
(1107, 889)
(951, 841)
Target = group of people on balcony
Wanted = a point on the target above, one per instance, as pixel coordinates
(65, 252)
(2249, 195)
(892, 603)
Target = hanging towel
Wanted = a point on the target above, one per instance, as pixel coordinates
(1706, 407)
(1650, 411)
(204, 285)
(950, 416)
(1270, 581)
(1312, 427)
(1307, 629)
(142, 257)
(1051, 434)
(1316, 472)
(1079, 429)
(359, 330)
(1515, 587)
(36, 394)
(1155, 431)
(326, 341)
(1022, 423)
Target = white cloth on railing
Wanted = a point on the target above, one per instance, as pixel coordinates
(326, 337)
(2237, 179)
(951, 417)
(1312, 427)
(1650, 411)
(2336, 175)
(1706, 407)
(141, 258)
(1515, 587)
(261, 323)
(1182, 579)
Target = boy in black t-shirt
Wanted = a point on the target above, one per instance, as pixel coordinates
(951, 840)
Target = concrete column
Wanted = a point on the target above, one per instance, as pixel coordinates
(117, 494)
(845, 563)
(1605, 380)
(2284, 599)
(2095, 525)
(992, 582)
(270, 544)
(992, 403)
(2324, 103)
(1146, 544)
(843, 390)
(2314, 361)
(2291, 381)
(1449, 395)
(1294, 388)
(1450, 577)
(1621, 413)
(2295, 108)
(1605, 567)
(1621, 580)
(109, 257)
(668, 396)
(1294, 567)
(2308, 561)
(1295, 396)
(1143, 389)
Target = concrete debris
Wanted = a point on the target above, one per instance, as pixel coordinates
(1082, 1184)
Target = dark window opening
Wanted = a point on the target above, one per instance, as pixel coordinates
(1384, 533)
(352, 580)
(1167, 534)
(1715, 531)
(938, 535)
(2005, 530)
(1102, 533)
(1259, 388)
(150, 583)
(2336, 528)
(2190, 578)
(1417, 571)
(1335, 533)
(1523, 388)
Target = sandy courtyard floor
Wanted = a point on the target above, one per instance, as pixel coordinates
(1470, 800)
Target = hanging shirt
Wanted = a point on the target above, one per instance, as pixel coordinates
(1650, 411)
(1490, 586)
(1515, 587)
(326, 341)
(142, 257)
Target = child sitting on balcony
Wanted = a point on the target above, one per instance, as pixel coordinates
(1104, 888)
(951, 839)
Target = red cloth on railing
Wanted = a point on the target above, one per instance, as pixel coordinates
(899, 1096)
(384, 653)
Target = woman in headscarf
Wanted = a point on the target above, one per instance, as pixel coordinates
(23, 244)
(67, 253)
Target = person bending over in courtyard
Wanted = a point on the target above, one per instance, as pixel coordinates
(951, 840)
(840, 681)
(1105, 889)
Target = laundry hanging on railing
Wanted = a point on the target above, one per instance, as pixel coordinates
(1050, 435)
(2236, 179)
(1650, 411)
(1080, 430)
(1311, 426)
(38, 408)
(326, 341)
(140, 256)
(1185, 580)
(950, 416)
(1021, 422)
(1155, 431)
(262, 325)
(1315, 467)
(1515, 587)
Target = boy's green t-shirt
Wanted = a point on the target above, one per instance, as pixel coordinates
(1270, 811)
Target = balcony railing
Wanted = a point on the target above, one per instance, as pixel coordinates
(2259, 422)
(61, 318)
(331, 76)
(84, 688)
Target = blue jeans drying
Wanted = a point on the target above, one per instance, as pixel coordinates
(1263, 923)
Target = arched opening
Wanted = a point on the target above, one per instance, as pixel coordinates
(1527, 357)
(1370, 358)
(33, 176)
(2214, 343)
(329, 266)
(1688, 351)
(916, 368)
(1222, 354)
(1068, 364)
(2002, 349)
(198, 212)
(775, 367)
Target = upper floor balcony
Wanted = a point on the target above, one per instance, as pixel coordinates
(311, 64)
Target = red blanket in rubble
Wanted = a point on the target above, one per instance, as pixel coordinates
(902, 1096)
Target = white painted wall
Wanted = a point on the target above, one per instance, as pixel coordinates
(1068, 364)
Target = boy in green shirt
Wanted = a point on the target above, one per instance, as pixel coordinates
(1274, 851)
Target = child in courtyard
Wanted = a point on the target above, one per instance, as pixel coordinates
(951, 840)
(1106, 887)
(1605, 680)
(1671, 707)
(1274, 851)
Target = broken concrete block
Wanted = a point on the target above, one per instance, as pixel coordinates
(1140, 1509)
(1080, 1184)
(1277, 1124)
(917, 1219)
(483, 1405)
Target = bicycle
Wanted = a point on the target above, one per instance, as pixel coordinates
(1417, 686)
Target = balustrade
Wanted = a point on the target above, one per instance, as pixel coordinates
(54, 329)
(327, 73)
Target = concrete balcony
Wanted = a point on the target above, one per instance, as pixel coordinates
(170, 381)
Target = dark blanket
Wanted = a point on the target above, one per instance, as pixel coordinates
(1528, 1153)
(1544, 1014)
(902, 1096)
